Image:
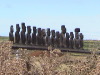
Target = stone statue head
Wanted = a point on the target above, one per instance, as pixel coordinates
(43, 32)
(17, 28)
(81, 36)
(63, 29)
(48, 31)
(77, 29)
(67, 35)
(71, 35)
(34, 29)
(23, 27)
(53, 33)
(28, 29)
(11, 29)
(57, 34)
(39, 31)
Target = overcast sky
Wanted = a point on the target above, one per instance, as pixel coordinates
(84, 14)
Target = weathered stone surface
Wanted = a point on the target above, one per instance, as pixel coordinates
(53, 38)
(57, 39)
(28, 36)
(39, 37)
(67, 40)
(63, 29)
(81, 40)
(71, 40)
(17, 34)
(23, 35)
(43, 39)
(11, 36)
(76, 40)
(62, 36)
(77, 29)
(48, 37)
(34, 35)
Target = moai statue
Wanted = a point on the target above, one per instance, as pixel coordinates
(62, 36)
(71, 42)
(43, 39)
(23, 35)
(81, 40)
(67, 40)
(48, 37)
(57, 39)
(11, 36)
(39, 37)
(34, 36)
(76, 40)
(53, 38)
(28, 36)
(17, 34)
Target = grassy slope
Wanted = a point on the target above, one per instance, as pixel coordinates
(3, 38)
(91, 44)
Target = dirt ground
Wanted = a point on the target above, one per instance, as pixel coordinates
(26, 62)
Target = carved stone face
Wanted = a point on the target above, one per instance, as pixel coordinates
(71, 35)
(48, 31)
(43, 32)
(67, 35)
(24, 29)
(76, 35)
(53, 33)
(39, 31)
(29, 29)
(34, 29)
(57, 34)
(81, 36)
(17, 28)
(63, 29)
(11, 29)
(23, 25)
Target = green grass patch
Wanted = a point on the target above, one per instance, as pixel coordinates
(91, 44)
(4, 38)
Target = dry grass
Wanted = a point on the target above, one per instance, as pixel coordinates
(26, 62)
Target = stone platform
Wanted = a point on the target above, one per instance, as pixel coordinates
(31, 47)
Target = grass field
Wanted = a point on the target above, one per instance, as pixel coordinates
(4, 38)
(26, 62)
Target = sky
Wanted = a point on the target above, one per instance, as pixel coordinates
(83, 14)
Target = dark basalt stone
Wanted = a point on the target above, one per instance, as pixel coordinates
(23, 35)
(57, 39)
(81, 40)
(28, 36)
(71, 42)
(11, 36)
(43, 39)
(77, 29)
(17, 34)
(52, 38)
(34, 35)
(39, 37)
(62, 36)
(67, 40)
(48, 37)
